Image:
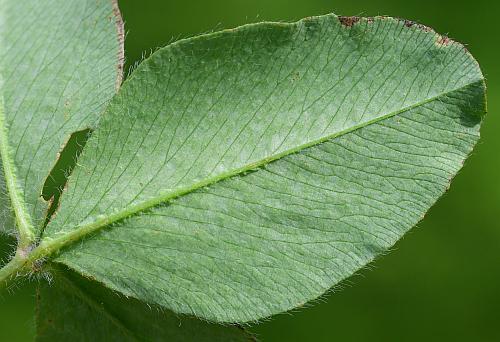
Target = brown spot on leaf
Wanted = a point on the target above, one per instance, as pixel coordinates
(443, 41)
(409, 23)
(348, 21)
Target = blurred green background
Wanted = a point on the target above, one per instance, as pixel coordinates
(442, 281)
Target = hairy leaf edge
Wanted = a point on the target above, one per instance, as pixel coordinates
(348, 22)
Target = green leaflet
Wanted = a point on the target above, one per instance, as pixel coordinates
(60, 63)
(243, 173)
(76, 309)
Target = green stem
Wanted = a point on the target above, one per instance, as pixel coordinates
(11, 270)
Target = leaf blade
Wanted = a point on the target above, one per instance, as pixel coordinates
(421, 76)
(60, 63)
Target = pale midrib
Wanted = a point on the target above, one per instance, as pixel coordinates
(23, 220)
(50, 245)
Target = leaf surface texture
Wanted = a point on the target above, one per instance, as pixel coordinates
(243, 173)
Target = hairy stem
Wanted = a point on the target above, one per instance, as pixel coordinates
(12, 269)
